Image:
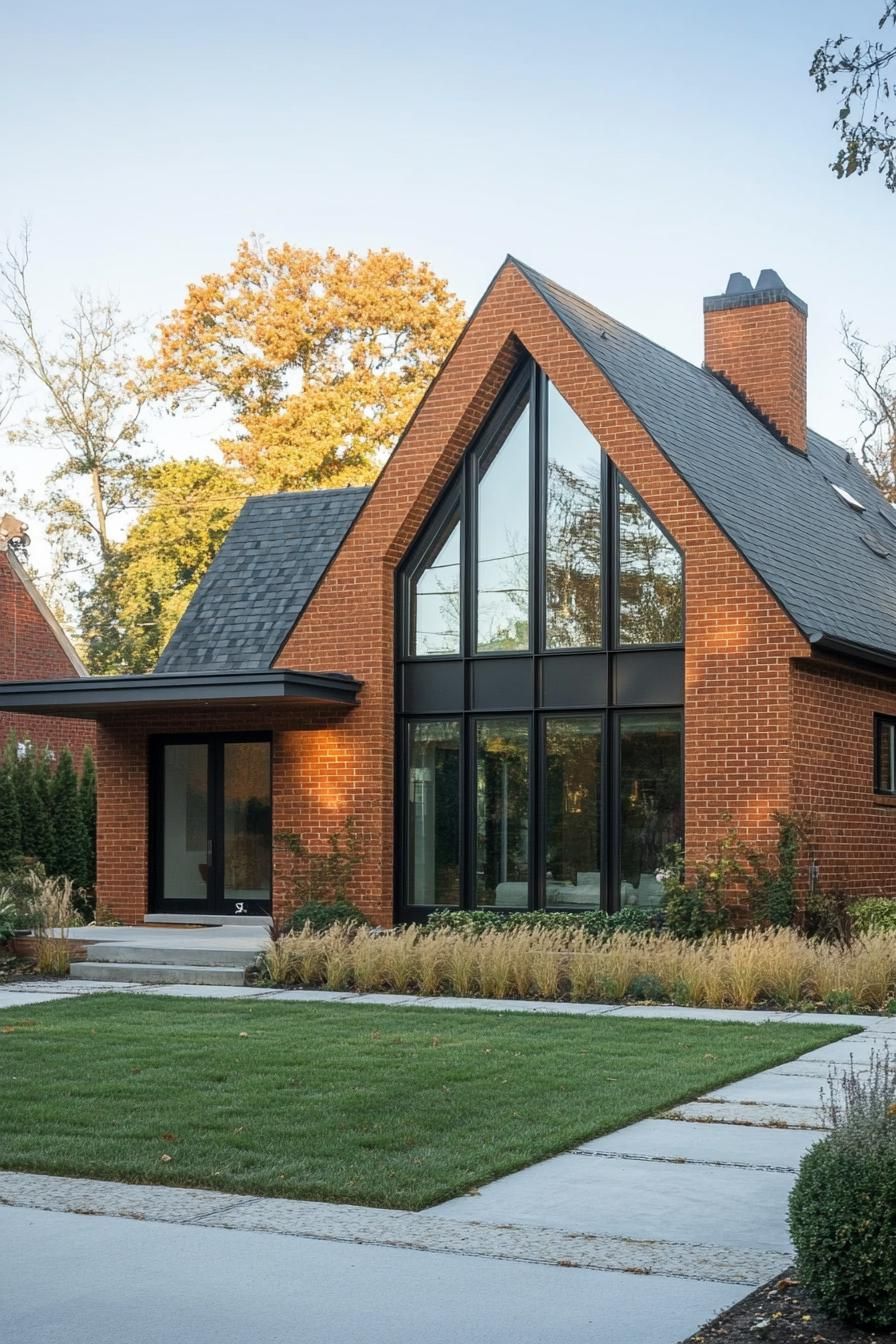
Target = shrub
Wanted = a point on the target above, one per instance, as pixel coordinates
(321, 915)
(8, 914)
(696, 909)
(877, 915)
(829, 915)
(18, 882)
(593, 923)
(772, 888)
(843, 1205)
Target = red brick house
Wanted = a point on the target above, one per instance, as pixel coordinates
(34, 647)
(599, 599)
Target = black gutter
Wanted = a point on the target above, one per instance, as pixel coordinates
(862, 653)
(90, 696)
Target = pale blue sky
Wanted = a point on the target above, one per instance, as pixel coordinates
(635, 152)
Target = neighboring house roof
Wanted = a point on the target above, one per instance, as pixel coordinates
(50, 620)
(260, 581)
(817, 554)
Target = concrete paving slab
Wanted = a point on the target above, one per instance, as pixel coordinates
(811, 1068)
(203, 992)
(21, 998)
(310, 996)
(743, 1113)
(680, 1141)
(752, 1015)
(772, 1089)
(389, 1227)
(719, 1206)
(857, 1048)
(209, 1286)
(159, 1203)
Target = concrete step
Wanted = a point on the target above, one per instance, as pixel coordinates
(146, 973)
(135, 953)
(211, 921)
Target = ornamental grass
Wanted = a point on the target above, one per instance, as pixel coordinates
(762, 967)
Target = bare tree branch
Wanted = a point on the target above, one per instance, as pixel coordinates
(873, 394)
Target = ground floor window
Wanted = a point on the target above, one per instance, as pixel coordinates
(538, 810)
(884, 754)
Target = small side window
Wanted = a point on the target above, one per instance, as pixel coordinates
(884, 754)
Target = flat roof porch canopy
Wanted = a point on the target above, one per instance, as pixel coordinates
(93, 697)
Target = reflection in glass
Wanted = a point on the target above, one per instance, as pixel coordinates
(502, 812)
(502, 598)
(572, 811)
(247, 821)
(437, 600)
(572, 536)
(185, 822)
(434, 820)
(650, 586)
(650, 787)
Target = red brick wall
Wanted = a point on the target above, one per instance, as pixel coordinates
(29, 651)
(748, 713)
(738, 641)
(833, 755)
(761, 349)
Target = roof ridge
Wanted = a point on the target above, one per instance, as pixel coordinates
(328, 490)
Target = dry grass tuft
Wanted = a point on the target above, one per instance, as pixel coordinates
(770, 967)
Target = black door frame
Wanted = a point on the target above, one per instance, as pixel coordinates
(214, 903)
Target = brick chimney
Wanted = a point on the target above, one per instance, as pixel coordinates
(755, 340)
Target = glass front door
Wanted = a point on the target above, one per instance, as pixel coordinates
(211, 801)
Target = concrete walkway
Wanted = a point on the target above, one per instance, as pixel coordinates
(638, 1237)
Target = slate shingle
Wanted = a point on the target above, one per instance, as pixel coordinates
(774, 503)
(260, 580)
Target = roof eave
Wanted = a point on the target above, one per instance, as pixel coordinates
(822, 642)
(96, 697)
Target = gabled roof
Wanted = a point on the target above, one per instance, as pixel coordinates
(260, 581)
(777, 505)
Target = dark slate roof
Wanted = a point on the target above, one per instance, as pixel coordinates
(777, 505)
(260, 581)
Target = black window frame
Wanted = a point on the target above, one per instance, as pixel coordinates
(215, 742)
(883, 721)
(604, 680)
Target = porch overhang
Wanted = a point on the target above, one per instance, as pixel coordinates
(97, 697)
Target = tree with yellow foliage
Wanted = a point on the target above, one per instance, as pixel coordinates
(320, 356)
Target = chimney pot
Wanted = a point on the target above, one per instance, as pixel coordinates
(738, 283)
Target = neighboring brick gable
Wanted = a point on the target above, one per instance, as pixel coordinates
(30, 651)
(738, 641)
(833, 754)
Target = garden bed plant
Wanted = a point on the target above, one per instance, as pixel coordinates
(778, 968)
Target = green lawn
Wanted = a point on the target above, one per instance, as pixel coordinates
(394, 1107)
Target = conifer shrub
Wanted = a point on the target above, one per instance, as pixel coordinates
(69, 855)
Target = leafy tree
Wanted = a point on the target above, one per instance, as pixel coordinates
(10, 818)
(69, 854)
(88, 406)
(143, 591)
(857, 72)
(873, 388)
(87, 801)
(320, 357)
